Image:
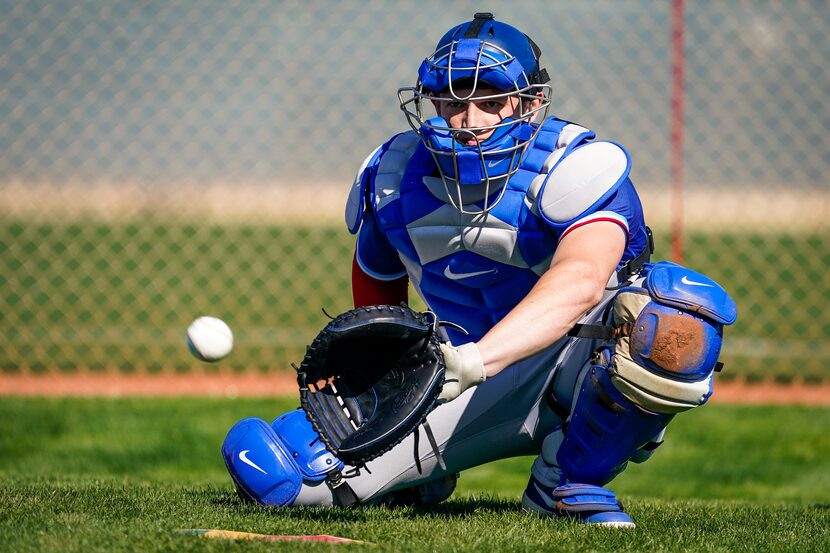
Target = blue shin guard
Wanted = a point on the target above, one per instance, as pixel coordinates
(270, 463)
(584, 502)
(605, 430)
(662, 363)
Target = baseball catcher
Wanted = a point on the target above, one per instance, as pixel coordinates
(562, 339)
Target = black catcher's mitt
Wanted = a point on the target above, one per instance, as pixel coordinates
(369, 379)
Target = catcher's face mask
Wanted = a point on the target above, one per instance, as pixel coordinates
(478, 60)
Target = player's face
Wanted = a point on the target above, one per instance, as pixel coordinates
(487, 107)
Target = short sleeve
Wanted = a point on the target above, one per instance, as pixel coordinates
(375, 255)
(623, 208)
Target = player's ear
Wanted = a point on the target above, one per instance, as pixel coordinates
(530, 105)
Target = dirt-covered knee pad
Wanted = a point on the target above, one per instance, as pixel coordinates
(270, 463)
(671, 334)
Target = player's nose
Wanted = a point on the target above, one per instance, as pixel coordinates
(472, 115)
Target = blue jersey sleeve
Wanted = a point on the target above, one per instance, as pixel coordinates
(375, 255)
(624, 208)
(626, 202)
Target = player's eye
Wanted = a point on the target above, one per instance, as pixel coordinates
(492, 105)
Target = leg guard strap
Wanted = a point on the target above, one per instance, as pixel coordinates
(341, 489)
(584, 502)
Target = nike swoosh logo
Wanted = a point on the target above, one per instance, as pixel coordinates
(494, 163)
(685, 280)
(458, 276)
(243, 456)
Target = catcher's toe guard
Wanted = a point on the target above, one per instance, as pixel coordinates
(584, 502)
(268, 464)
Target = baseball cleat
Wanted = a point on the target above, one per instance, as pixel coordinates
(423, 495)
(589, 504)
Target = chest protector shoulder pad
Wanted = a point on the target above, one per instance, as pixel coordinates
(581, 180)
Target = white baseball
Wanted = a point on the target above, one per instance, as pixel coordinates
(209, 339)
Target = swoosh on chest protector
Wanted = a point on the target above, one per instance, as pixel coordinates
(458, 276)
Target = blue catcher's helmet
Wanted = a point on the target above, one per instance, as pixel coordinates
(476, 55)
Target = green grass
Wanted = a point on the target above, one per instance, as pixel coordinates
(119, 296)
(106, 474)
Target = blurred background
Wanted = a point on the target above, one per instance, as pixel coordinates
(163, 160)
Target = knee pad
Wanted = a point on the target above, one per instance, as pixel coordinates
(671, 334)
(270, 463)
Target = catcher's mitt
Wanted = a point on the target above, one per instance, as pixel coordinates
(369, 379)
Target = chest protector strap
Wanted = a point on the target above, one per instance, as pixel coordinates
(554, 139)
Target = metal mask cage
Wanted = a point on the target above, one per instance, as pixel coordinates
(411, 103)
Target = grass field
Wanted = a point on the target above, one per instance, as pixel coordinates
(123, 474)
(118, 296)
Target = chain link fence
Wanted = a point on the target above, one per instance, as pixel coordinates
(162, 160)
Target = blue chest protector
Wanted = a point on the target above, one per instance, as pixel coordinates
(473, 269)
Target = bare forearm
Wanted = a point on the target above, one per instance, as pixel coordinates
(574, 284)
(560, 298)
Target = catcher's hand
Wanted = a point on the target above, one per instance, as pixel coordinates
(465, 369)
(369, 379)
